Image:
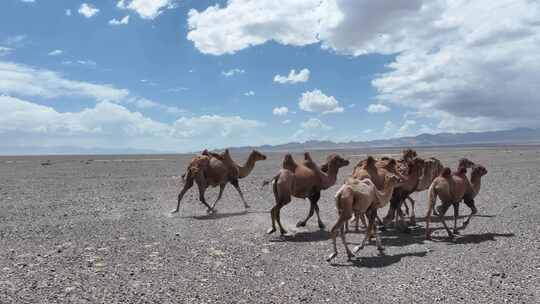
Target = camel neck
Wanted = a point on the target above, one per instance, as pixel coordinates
(476, 181)
(385, 194)
(246, 169)
(331, 177)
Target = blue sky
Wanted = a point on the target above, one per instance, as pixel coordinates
(185, 75)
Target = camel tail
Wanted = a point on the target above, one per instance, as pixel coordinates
(432, 196)
(268, 181)
(274, 188)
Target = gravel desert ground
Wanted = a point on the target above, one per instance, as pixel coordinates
(98, 229)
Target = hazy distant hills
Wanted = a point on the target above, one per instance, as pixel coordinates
(509, 137)
(515, 136)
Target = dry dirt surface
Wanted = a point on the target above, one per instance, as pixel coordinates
(98, 229)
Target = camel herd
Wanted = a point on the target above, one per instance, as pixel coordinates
(373, 184)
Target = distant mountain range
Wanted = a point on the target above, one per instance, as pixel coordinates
(510, 137)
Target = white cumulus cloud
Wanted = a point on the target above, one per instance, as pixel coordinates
(293, 77)
(122, 21)
(465, 65)
(55, 53)
(232, 72)
(88, 10)
(280, 111)
(377, 108)
(317, 101)
(147, 9)
(111, 125)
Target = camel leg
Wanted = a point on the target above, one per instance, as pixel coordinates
(315, 199)
(201, 184)
(333, 235)
(406, 207)
(187, 185)
(371, 226)
(314, 208)
(372, 217)
(470, 204)
(221, 188)
(278, 218)
(364, 223)
(236, 186)
(428, 219)
(273, 217)
(441, 212)
(456, 215)
(350, 255)
(310, 214)
(412, 218)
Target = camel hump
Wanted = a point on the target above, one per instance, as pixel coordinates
(307, 157)
(370, 161)
(288, 162)
(446, 172)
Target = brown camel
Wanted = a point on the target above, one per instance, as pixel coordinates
(303, 180)
(212, 169)
(361, 196)
(432, 168)
(477, 173)
(412, 170)
(451, 188)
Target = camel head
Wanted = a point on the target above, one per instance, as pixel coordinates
(465, 163)
(409, 154)
(257, 156)
(417, 164)
(392, 180)
(479, 170)
(334, 161)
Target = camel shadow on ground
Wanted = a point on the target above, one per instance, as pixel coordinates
(447, 218)
(304, 237)
(379, 261)
(472, 238)
(218, 215)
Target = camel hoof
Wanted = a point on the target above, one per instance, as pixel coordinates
(350, 256)
(174, 211)
(271, 230)
(283, 233)
(331, 257)
(358, 248)
(381, 251)
(247, 206)
(322, 226)
(301, 224)
(456, 231)
(382, 228)
(428, 237)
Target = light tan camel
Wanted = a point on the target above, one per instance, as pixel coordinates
(376, 171)
(361, 196)
(212, 169)
(451, 188)
(303, 180)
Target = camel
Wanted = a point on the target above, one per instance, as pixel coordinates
(361, 196)
(303, 180)
(412, 169)
(212, 169)
(432, 168)
(452, 188)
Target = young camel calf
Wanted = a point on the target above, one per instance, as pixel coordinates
(361, 196)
